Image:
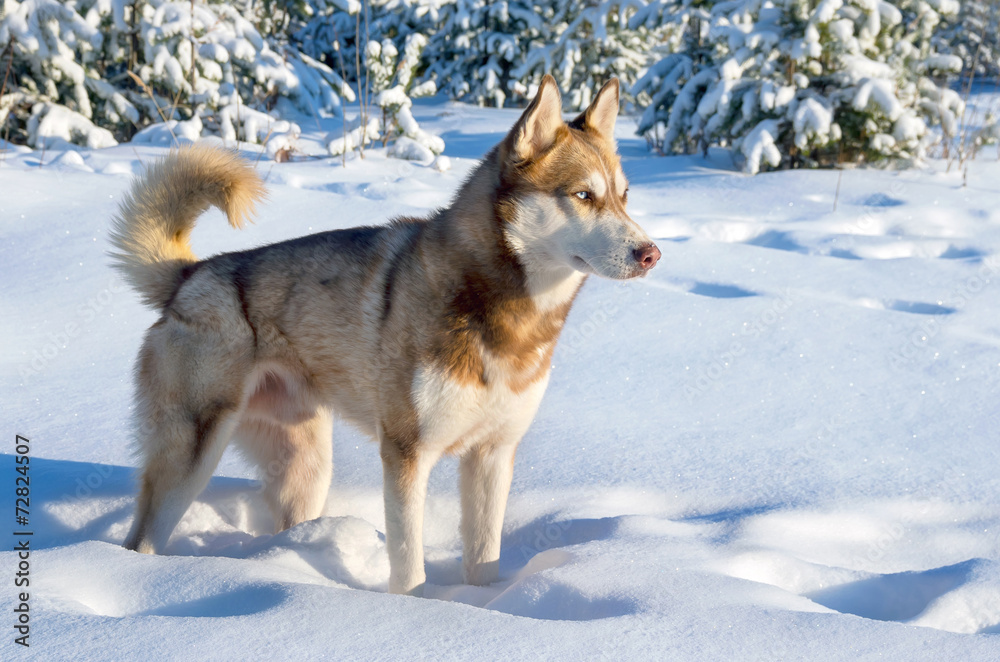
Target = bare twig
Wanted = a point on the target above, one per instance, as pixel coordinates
(385, 128)
(149, 92)
(963, 150)
(343, 81)
(10, 60)
(263, 145)
(268, 175)
(361, 94)
(6, 140)
(836, 196)
(238, 120)
(192, 55)
(3, 88)
(176, 101)
(368, 80)
(963, 146)
(133, 31)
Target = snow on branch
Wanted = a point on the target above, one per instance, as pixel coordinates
(122, 65)
(801, 83)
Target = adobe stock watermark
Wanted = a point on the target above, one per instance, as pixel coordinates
(546, 537)
(876, 206)
(22, 533)
(920, 337)
(953, 486)
(931, 501)
(55, 342)
(712, 373)
(576, 336)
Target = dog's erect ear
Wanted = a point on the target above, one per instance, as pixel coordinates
(536, 130)
(603, 111)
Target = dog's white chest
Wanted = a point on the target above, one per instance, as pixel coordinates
(454, 417)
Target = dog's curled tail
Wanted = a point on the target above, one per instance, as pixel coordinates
(152, 228)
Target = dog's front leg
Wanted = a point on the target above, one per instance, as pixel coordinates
(486, 472)
(405, 473)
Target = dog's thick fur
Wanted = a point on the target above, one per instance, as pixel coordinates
(433, 335)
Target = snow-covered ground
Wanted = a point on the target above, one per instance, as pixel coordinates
(782, 444)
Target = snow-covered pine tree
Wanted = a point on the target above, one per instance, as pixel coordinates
(201, 62)
(975, 38)
(52, 55)
(804, 82)
(583, 46)
(687, 63)
(476, 45)
(233, 78)
(392, 83)
(496, 53)
(317, 28)
(337, 32)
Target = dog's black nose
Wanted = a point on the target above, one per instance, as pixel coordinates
(647, 256)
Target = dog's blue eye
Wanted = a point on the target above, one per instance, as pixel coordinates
(583, 195)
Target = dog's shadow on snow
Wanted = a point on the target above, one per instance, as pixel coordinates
(74, 502)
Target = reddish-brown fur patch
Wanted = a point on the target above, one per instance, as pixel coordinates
(493, 310)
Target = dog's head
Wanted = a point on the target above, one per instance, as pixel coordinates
(569, 192)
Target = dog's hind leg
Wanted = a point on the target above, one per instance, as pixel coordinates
(296, 464)
(405, 473)
(485, 476)
(181, 449)
(190, 396)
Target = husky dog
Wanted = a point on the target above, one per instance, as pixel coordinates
(432, 335)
